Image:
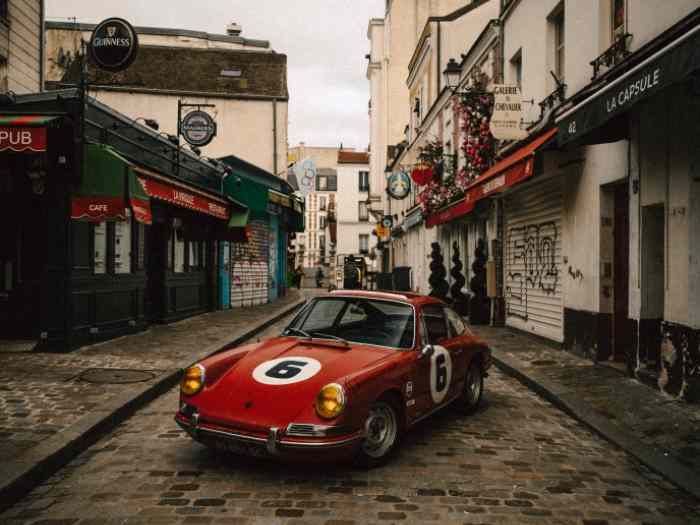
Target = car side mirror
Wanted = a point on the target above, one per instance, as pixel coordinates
(427, 351)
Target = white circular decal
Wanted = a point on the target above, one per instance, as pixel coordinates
(286, 370)
(440, 374)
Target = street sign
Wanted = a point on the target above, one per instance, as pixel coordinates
(198, 128)
(114, 44)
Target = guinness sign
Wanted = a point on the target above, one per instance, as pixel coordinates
(114, 44)
(198, 128)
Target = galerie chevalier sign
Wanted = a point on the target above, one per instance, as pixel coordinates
(113, 45)
(507, 113)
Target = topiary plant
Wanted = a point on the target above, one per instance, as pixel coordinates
(438, 284)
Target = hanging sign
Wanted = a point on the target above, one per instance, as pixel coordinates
(398, 185)
(305, 172)
(198, 128)
(507, 113)
(22, 139)
(114, 45)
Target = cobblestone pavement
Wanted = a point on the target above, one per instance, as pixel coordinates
(44, 393)
(656, 419)
(518, 460)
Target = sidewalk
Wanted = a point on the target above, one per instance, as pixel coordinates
(660, 431)
(52, 406)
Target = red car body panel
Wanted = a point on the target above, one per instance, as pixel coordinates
(234, 403)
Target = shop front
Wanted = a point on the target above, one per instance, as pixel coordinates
(652, 101)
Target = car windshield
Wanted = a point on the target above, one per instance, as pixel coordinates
(357, 320)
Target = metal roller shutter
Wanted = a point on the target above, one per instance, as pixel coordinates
(250, 268)
(533, 260)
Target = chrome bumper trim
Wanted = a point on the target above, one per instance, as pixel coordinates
(273, 443)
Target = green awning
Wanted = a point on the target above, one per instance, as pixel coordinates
(26, 120)
(249, 193)
(239, 216)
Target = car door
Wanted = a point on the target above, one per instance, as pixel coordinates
(458, 345)
(435, 370)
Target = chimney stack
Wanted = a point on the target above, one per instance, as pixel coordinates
(233, 29)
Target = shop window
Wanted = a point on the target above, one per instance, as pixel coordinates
(122, 247)
(99, 262)
(196, 255)
(178, 251)
(139, 250)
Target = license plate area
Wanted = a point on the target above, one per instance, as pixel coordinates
(241, 448)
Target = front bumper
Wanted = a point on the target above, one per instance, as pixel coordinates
(275, 443)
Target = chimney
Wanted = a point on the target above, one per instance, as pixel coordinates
(233, 29)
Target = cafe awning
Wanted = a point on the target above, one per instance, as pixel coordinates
(671, 64)
(21, 133)
(251, 193)
(506, 173)
(182, 195)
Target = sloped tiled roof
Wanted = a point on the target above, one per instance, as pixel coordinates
(188, 70)
(353, 157)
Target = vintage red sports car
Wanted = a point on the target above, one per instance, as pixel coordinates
(346, 378)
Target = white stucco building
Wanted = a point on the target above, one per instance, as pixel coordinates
(245, 80)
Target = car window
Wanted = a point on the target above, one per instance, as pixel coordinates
(455, 323)
(323, 315)
(435, 324)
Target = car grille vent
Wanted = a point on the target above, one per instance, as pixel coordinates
(301, 430)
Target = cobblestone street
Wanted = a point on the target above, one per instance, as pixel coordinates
(518, 460)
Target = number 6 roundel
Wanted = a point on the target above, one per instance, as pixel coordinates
(440, 374)
(286, 370)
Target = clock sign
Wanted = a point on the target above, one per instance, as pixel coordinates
(398, 185)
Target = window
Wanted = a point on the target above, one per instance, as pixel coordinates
(322, 203)
(363, 212)
(321, 183)
(364, 243)
(456, 323)
(557, 21)
(435, 324)
(140, 246)
(122, 246)
(516, 68)
(364, 180)
(196, 255)
(99, 262)
(327, 183)
(3, 9)
(322, 222)
(617, 18)
(178, 251)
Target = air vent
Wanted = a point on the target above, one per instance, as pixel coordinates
(231, 73)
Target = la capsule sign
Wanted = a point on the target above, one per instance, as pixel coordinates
(114, 44)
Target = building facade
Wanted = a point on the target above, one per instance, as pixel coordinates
(21, 46)
(245, 80)
(577, 231)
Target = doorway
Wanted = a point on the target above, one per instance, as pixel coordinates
(622, 339)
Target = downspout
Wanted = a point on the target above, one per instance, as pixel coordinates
(42, 51)
(439, 58)
(274, 136)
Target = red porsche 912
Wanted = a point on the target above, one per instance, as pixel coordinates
(349, 375)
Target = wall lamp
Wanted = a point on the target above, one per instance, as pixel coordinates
(151, 123)
(453, 74)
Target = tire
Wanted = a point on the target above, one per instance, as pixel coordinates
(384, 428)
(469, 401)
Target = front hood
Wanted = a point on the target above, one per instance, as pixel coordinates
(280, 379)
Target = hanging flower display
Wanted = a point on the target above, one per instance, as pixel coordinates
(478, 145)
(422, 174)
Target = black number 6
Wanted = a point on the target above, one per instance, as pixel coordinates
(441, 373)
(285, 369)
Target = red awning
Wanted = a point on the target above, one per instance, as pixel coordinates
(179, 194)
(506, 173)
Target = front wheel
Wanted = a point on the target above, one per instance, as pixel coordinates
(383, 432)
(469, 401)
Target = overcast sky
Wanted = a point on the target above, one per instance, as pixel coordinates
(325, 42)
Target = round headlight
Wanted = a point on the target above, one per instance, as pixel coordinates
(330, 401)
(193, 381)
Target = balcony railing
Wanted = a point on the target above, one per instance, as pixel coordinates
(612, 56)
(555, 97)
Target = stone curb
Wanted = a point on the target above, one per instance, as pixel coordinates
(41, 462)
(568, 402)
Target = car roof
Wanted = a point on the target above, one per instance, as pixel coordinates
(405, 297)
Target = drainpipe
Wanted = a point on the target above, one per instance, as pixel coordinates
(274, 136)
(42, 51)
(439, 58)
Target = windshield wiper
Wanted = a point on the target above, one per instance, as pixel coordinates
(330, 336)
(297, 332)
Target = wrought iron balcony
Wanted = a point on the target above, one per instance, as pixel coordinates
(555, 97)
(612, 56)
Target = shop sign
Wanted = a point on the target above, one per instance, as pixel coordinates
(507, 113)
(114, 45)
(198, 128)
(398, 185)
(184, 198)
(22, 139)
(305, 172)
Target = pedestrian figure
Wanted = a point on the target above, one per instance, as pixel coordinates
(319, 277)
(298, 274)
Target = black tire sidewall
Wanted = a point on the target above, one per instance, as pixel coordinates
(364, 461)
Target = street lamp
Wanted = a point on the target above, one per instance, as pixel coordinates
(451, 74)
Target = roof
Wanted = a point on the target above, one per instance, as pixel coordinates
(353, 157)
(405, 297)
(188, 70)
(164, 31)
(257, 173)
